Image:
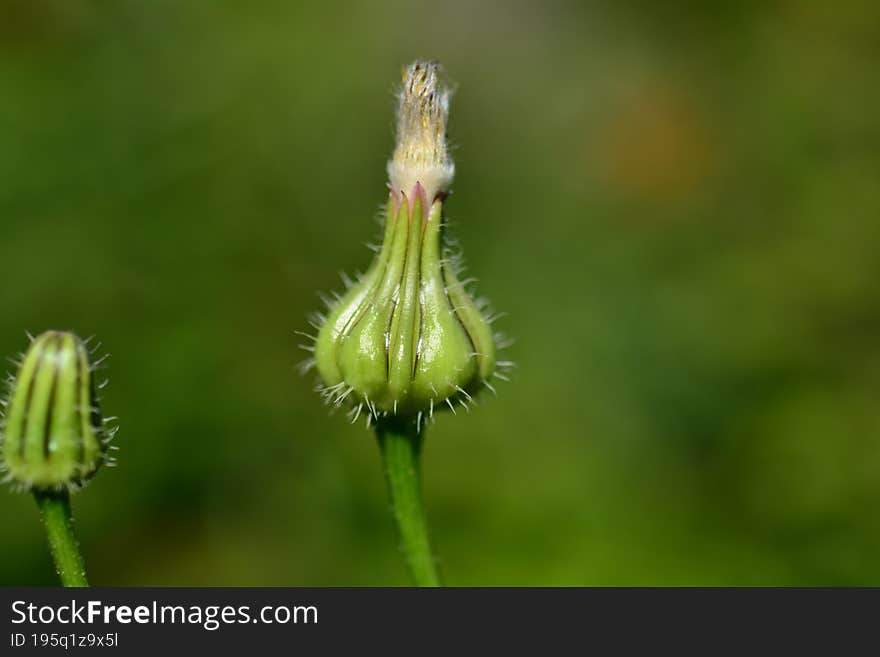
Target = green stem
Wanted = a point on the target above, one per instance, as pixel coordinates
(55, 509)
(401, 444)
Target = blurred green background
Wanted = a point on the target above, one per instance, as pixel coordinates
(678, 204)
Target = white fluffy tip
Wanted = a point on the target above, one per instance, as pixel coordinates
(421, 154)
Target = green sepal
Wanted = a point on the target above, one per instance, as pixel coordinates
(407, 336)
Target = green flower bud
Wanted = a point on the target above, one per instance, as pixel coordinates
(53, 433)
(407, 336)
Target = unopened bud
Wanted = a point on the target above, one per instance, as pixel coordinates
(407, 337)
(53, 432)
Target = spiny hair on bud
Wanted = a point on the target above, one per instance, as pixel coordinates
(335, 396)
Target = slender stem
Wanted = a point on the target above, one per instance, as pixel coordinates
(401, 444)
(57, 517)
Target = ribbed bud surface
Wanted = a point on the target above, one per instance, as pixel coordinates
(53, 434)
(407, 336)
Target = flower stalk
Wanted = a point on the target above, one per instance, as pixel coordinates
(401, 447)
(58, 520)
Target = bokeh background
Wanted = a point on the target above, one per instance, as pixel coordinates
(677, 203)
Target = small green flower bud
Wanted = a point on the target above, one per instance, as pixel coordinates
(407, 336)
(53, 433)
